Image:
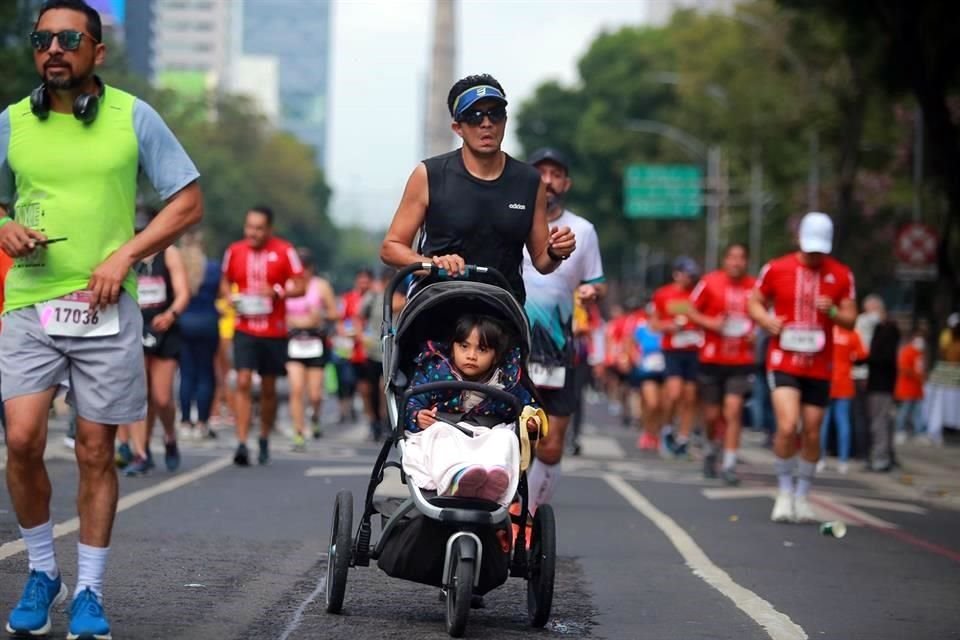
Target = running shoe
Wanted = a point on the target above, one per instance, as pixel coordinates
(171, 456)
(730, 477)
(710, 465)
(468, 482)
(87, 619)
(667, 443)
(263, 457)
(31, 616)
(496, 485)
(681, 449)
(821, 465)
(514, 510)
(299, 443)
(124, 455)
(138, 467)
(843, 467)
(241, 458)
(315, 423)
(802, 511)
(783, 508)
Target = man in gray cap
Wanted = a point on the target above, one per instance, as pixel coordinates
(549, 305)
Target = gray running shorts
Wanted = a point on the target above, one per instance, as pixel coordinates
(108, 383)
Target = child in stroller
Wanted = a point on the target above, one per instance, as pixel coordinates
(459, 442)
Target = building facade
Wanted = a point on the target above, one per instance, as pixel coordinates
(297, 34)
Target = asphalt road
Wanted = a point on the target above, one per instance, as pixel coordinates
(647, 549)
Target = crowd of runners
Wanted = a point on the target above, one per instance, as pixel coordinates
(101, 302)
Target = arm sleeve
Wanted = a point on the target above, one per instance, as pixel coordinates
(593, 266)
(162, 157)
(763, 282)
(293, 262)
(7, 183)
(699, 297)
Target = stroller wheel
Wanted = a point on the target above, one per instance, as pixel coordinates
(460, 586)
(338, 554)
(542, 563)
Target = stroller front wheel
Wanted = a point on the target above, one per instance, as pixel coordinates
(338, 554)
(460, 587)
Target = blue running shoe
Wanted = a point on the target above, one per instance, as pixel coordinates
(171, 456)
(667, 443)
(124, 455)
(139, 466)
(87, 619)
(31, 617)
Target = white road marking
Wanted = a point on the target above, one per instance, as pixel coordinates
(298, 614)
(827, 506)
(601, 447)
(128, 501)
(777, 625)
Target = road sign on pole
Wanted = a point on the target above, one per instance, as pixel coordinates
(915, 248)
(662, 191)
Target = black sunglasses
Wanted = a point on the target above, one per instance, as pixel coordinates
(475, 117)
(69, 39)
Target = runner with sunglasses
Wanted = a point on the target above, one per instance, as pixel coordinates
(70, 155)
(476, 204)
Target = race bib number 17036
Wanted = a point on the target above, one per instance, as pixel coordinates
(71, 316)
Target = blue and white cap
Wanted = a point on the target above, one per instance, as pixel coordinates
(480, 92)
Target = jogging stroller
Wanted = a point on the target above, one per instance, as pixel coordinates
(464, 546)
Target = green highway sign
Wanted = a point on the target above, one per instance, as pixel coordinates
(662, 191)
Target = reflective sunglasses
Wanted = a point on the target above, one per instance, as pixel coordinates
(68, 39)
(475, 117)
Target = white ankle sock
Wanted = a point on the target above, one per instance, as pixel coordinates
(729, 459)
(91, 563)
(39, 542)
(805, 472)
(541, 481)
(784, 468)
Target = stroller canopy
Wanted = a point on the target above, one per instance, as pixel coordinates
(432, 313)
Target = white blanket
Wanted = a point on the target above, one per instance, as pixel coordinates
(432, 457)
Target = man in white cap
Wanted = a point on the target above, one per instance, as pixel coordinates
(806, 292)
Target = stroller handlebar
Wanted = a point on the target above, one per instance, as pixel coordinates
(469, 273)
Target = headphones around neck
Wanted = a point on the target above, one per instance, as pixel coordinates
(85, 106)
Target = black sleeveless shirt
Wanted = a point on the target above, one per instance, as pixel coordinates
(486, 222)
(153, 277)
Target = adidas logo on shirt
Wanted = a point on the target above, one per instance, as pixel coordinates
(516, 205)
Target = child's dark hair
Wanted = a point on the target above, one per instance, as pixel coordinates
(491, 333)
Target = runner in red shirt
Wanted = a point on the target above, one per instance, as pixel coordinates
(726, 357)
(681, 342)
(265, 270)
(615, 362)
(809, 292)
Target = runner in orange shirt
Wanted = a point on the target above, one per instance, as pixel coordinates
(847, 349)
(908, 392)
(726, 357)
(808, 292)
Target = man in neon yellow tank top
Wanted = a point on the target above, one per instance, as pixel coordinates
(69, 159)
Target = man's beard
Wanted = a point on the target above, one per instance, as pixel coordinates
(554, 201)
(63, 81)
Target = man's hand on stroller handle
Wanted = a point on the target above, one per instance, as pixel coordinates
(453, 264)
(426, 417)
